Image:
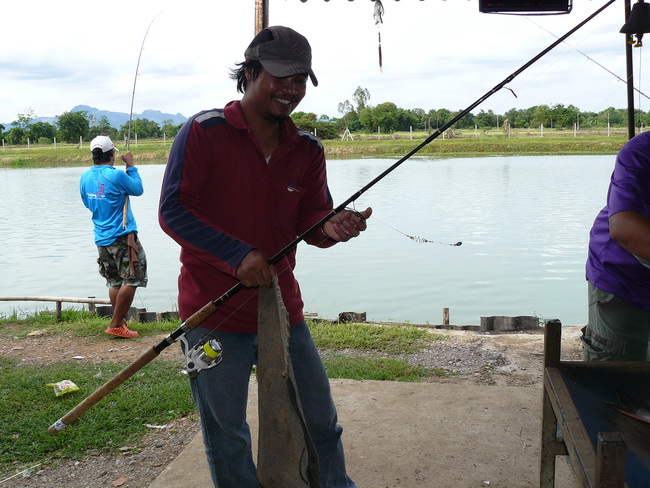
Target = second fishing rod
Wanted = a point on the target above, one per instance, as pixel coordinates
(204, 350)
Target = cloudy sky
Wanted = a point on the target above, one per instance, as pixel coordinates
(436, 54)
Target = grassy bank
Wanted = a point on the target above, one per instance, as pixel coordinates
(363, 146)
(155, 395)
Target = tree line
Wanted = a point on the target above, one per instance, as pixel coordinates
(355, 116)
(71, 126)
(360, 116)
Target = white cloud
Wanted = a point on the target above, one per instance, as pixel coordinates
(435, 54)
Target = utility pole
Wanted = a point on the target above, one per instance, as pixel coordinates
(630, 76)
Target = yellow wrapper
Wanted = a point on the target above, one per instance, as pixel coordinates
(63, 387)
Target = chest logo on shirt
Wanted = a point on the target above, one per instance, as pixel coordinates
(291, 188)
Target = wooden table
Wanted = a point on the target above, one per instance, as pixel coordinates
(607, 449)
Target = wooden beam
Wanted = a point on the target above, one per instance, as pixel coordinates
(89, 300)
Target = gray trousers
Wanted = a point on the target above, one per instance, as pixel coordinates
(616, 331)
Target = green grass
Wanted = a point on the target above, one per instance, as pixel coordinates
(474, 147)
(380, 340)
(155, 395)
(388, 339)
(77, 323)
(380, 369)
(465, 143)
(71, 155)
(159, 392)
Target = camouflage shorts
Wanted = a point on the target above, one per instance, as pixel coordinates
(114, 263)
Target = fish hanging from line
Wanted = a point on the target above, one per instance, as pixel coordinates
(286, 454)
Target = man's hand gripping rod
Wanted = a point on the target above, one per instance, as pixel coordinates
(201, 315)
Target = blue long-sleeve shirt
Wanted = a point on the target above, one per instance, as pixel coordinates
(103, 190)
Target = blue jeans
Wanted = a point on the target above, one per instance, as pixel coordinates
(221, 395)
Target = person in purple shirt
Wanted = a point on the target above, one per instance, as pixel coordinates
(618, 264)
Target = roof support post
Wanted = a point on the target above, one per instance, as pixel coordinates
(261, 15)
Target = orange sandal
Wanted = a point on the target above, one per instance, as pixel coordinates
(122, 331)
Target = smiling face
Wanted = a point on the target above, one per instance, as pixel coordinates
(271, 98)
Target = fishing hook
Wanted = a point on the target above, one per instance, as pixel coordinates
(418, 239)
(211, 307)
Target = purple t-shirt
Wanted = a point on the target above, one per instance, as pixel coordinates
(609, 266)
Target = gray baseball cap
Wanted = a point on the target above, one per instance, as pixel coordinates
(282, 52)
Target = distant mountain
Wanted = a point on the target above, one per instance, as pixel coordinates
(116, 119)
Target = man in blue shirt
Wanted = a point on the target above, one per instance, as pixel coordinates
(618, 266)
(105, 192)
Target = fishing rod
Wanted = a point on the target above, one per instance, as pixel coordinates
(211, 307)
(125, 209)
(135, 80)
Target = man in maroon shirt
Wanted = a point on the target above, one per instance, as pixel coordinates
(241, 183)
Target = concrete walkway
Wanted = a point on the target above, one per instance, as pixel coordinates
(427, 435)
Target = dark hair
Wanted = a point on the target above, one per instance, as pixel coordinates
(101, 157)
(239, 73)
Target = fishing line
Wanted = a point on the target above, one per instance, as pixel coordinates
(418, 239)
(589, 58)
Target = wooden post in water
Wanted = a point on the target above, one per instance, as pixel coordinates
(445, 316)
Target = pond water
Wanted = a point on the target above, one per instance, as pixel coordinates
(523, 223)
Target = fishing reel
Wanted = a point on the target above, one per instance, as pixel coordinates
(204, 355)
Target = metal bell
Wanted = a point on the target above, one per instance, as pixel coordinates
(638, 22)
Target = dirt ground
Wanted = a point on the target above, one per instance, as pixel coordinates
(505, 361)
